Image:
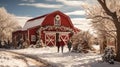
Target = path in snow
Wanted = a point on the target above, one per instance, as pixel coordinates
(11, 59)
(66, 59)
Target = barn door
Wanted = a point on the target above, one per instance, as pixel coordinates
(64, 38)
(50, 39)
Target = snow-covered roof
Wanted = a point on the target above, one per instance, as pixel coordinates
(33, 23)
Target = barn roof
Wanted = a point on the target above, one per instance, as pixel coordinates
(37, 21)
(33, 23)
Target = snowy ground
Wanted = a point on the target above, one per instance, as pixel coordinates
(9, 59)
(66, 59)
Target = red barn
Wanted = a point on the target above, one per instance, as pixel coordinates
(46, 26)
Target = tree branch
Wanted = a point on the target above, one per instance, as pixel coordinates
(99, 16)
(104, 6)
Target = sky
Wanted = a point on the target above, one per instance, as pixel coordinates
(26, 9)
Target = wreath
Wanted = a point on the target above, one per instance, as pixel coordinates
(57, 17)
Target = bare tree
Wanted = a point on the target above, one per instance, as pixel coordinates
(104, 26)
(8, 24)
(108, 11)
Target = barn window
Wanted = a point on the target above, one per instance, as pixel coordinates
(57, 20)
(33, 38)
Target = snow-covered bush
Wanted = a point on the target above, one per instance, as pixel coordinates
(81, 42)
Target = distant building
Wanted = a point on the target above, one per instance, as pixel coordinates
(45, 28)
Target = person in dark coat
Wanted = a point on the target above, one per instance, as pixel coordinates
(62, 44)
(59, 43)
(58, 46)
(69, 44)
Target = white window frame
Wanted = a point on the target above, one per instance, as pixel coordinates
(57, 20)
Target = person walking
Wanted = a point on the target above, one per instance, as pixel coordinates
(59, 43)
(62, 44)
(69, 44)
(58, 46)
